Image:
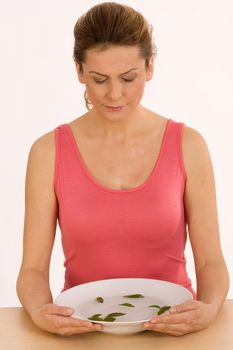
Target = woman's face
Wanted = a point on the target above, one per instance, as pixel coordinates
(115, 77)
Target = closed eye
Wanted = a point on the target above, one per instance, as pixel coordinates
(102, 81)
(128, 80)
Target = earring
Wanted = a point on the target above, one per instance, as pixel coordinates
(88, 103)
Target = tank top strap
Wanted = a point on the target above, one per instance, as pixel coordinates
(67, 166)
(64, 147)
(172, 157)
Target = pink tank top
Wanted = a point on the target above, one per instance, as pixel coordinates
(109, 233)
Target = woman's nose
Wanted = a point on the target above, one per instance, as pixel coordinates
(115, 91)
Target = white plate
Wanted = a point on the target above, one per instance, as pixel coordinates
(83, 298)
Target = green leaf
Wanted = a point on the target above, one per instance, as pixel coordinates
(163, 309)
(134, 296)
(154, 306)
(115, 314)
(109, 319)
(127, 304)
(100, 300)
(96, 317)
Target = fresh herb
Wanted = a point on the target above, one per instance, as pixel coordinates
(112, 317)
(163, 309)
(108, 318)
(127, 304)
(115, 314)
(134, 296)
(96, 317)
(158, 307)
(100, 300)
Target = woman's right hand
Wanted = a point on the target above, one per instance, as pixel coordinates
(56, 319)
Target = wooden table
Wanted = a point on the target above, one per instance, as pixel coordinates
(17, 332)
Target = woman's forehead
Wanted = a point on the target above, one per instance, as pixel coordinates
(122, 58)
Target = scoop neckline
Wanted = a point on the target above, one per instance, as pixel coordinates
(108, 189)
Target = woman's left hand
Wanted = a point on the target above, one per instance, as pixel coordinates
(190, 316)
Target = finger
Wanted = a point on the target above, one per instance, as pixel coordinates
(54, 309)
(74, 322)
(178, 318)
(187, 306)
(61, 321)
(74, 330)
(174, 329)
(172, 320)
(83, 329)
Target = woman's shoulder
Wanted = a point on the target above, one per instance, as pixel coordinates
(192, 135)
(193, 140)
(44, 143)
(195, 149)
(42, 153)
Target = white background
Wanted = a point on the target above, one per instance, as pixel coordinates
(39, 89)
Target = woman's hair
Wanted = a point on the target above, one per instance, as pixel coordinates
(109, 24)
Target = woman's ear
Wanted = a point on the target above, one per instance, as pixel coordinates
(80, 73)
(150, 69)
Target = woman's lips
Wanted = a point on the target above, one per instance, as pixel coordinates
(114, 109)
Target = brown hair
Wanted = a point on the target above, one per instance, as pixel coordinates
(108, 24)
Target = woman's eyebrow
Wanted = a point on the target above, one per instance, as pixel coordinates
(104, 75)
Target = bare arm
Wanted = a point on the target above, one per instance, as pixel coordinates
(211, 272)
(39, 232)
(201, 211)
(39, 225)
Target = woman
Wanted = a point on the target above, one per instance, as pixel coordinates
(123, 181)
